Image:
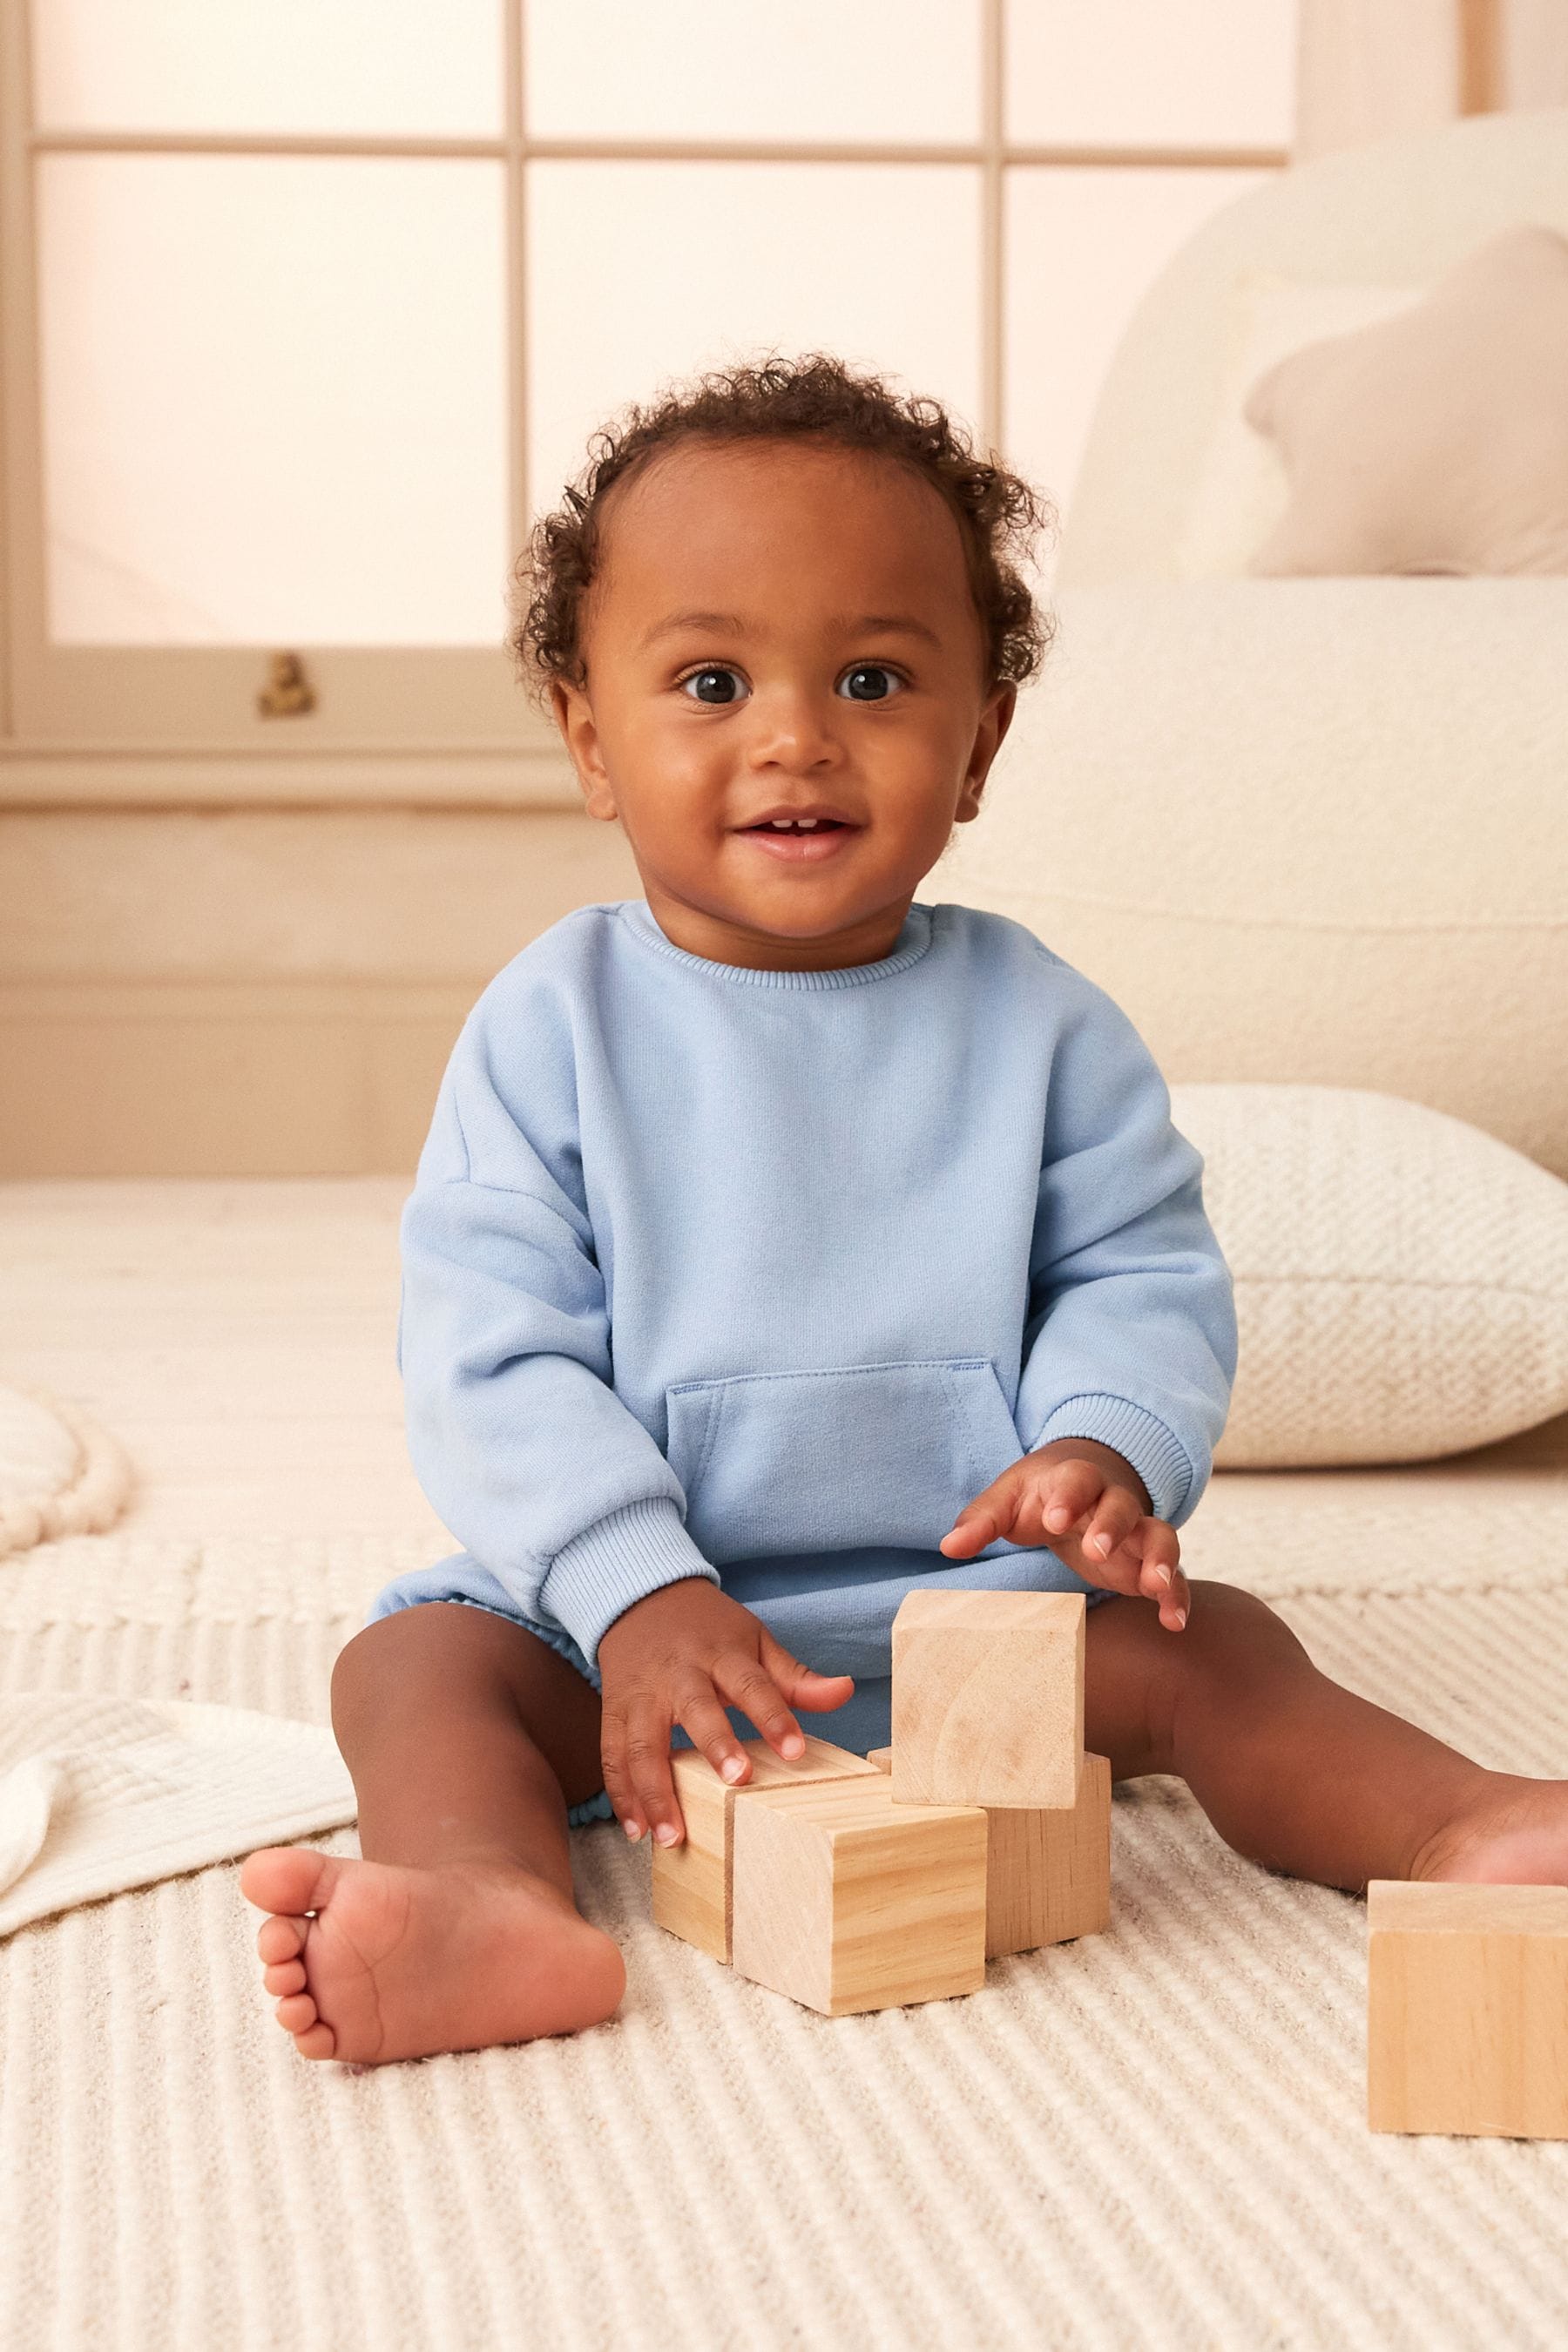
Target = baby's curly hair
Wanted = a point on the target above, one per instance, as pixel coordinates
(770, 398)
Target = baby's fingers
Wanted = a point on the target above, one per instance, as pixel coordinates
(1068, 1489)
(1160, 1576)
(635, 1757)
(802, 1686)
(1145, 1566)
(706, 1724)
(748, 1685)
(1114, 1521)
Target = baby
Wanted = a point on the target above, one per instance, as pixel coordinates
(783, 1244)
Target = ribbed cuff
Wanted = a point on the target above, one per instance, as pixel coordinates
(622, 1557)
(1157, 1455)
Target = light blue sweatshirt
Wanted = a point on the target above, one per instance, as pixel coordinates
(706, 1265)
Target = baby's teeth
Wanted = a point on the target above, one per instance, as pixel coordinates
(787, 824)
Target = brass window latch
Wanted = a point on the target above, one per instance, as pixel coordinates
(289, 691)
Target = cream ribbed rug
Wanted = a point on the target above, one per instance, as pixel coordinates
(1151, 2137)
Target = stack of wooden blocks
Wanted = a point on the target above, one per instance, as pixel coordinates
(865, 1882)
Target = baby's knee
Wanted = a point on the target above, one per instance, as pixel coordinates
(1232, 1624)
(373, 1659)
(439, 1653)
(357, 1664)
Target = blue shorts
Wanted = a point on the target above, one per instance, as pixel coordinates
(833, 1611)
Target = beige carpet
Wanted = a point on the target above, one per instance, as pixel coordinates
(1154, 2137)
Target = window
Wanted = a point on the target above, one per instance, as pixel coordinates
(313, 303)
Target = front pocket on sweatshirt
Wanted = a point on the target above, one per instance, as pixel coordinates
(823, 1461)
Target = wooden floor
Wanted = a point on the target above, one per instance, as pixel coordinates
(238, 1336)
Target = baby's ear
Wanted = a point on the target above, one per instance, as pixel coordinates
(564, 701)
(575, 717)
(1001, 706)
(968, 807)
(995, 717)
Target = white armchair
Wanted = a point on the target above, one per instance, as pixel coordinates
(1306, 829)
(1321, 245)
(1310, 832)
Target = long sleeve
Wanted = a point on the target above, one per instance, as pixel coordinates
(515, 1431)
(1132, 1336)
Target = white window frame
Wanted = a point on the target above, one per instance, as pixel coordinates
(443, 726)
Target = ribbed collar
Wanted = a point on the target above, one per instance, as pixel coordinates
(911, 944)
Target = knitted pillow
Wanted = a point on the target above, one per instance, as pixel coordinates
(1436, 440)
(1401, 1277)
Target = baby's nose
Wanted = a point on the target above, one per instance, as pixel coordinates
(792, 728)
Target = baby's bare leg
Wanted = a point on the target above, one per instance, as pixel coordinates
(466, 1737)
(1294, 1770)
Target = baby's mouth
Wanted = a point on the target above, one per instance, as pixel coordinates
(788, 845)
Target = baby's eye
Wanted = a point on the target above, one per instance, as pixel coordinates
(715, 685)
(870, 682)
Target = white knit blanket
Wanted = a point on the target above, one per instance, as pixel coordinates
(1154, 2137)
(98, 1793)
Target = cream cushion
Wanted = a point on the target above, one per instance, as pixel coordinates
(1240, 488)
(1436, 440)
(1401, 1278)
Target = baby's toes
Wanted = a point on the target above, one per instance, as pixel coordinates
(278, 1939)
(299, 2015)
(285, 1878)
(287, 1976)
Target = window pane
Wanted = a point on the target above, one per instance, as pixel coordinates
(430, 66)
(643, 271)
(821, 69)
(1083, 247)
(273, 400)
(1168, 73)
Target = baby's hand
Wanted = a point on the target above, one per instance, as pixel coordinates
(1042, 1498)
(682, 1654)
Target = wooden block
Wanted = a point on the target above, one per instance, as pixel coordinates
(988, 1698)
(846, 1900)
(691, 1881)
(1466, 2022)
(1049, 1877)
(1048, 1869)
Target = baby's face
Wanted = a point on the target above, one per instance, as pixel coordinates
(780, 624)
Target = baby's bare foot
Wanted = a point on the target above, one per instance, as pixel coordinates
(401, 1963)
(1515, 1832)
